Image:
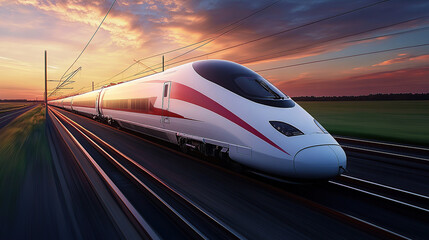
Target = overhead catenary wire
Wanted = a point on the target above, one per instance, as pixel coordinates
(202, 42)
(93, 35)
(267, 36)
(263, 57)
(338, 58)
(391, 34)
(83, 50)
(223, 33)
(152, 56)
(342, 57)
(304, 25)
(146, 66)
(331, 59)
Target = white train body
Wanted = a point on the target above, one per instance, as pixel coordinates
(220, 106)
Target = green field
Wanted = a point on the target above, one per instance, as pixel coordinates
(397, 121)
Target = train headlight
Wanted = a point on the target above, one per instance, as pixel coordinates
(286, 129)
(320, 126)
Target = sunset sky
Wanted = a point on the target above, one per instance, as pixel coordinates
(137, 29)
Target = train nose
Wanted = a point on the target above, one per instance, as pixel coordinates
(320, 162)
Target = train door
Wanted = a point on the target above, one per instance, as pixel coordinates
(98, 103)
(165, 119)
(97, 111)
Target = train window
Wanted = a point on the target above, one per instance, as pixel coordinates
(255, 87)
(242, 81)
(165, 90)
(137, 104)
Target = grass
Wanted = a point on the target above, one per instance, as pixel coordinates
(21, 142)
(397, 121)
(9, 106)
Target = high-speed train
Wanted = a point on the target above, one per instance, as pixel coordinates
(220, 108)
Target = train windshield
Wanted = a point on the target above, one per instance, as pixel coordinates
(257, 87)
(242, 81)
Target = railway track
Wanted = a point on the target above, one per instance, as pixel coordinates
(411, 200)
(343, 182)
(174, 213)
(407, 153)
(400, 202)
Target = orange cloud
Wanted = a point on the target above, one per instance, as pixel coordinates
(119, 25)
(420, 58)
(402, 58)
(369, 40)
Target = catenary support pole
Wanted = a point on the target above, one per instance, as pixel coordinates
(46, 82)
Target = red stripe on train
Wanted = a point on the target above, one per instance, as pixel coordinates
(190, 95)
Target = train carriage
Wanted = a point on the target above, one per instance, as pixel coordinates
(221, 108)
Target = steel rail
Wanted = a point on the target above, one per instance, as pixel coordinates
(228, 231)
(369, 188)
(387, 154)
(379, 196)
(382, 144)
(142, 225)
(402, 191)
(379, 149)
(392, 234)
(135, 179)
(359, 223)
